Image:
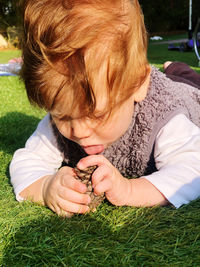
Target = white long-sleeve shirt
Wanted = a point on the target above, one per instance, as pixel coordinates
(177, 158)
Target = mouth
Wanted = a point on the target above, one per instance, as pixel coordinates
(94, 149)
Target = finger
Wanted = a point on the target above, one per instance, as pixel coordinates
(56, 208)
(66, 214)
(92, 160)
(73, 196)
(66, 171)
(73, 207)
(74, 184)
(69, 214)
(99, 174)
(102, 187)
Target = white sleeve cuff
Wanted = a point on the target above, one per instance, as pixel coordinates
(173, 187)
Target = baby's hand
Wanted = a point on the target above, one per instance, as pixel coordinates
(65, 195)
(107, 179)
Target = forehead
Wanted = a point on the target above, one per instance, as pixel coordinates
(66, 106)
(79, 99)
(92, 94)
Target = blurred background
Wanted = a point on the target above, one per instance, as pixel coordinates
(170, 21)
(164, 16)
(161, 17)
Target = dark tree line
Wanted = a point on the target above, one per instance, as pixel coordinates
(10, 14)
(160, 15)
(169, 15)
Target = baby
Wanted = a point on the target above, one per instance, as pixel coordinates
(85, 63)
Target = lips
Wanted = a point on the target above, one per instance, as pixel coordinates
(92, 150)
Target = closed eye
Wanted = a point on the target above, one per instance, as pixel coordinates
(102, 117)
(61, 118)
(65, 118)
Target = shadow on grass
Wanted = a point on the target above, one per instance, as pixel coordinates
(111, 237)
(15, 129)
(81, 241)
(61, 242)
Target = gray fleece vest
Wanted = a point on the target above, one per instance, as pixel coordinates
(132, 154)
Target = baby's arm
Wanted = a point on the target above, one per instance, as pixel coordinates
(121, 191)
(37, 159)
(35, 174)
(177, 156)
(145, 194)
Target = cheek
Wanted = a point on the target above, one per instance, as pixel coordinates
(122, 121)
(109, 130)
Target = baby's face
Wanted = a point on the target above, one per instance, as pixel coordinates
(94, 135)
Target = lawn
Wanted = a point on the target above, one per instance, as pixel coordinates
(31, 235)
(158, 54)
(5, 55)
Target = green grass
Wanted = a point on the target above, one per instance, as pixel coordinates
(31, 235)
(8, 54)
(159, 53)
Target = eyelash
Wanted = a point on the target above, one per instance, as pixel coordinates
(100, 118)
(65, 118)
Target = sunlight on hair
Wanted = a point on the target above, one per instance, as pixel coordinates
(81, 50)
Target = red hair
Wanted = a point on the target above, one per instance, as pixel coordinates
(68, 41)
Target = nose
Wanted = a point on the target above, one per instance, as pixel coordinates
(81, 128)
